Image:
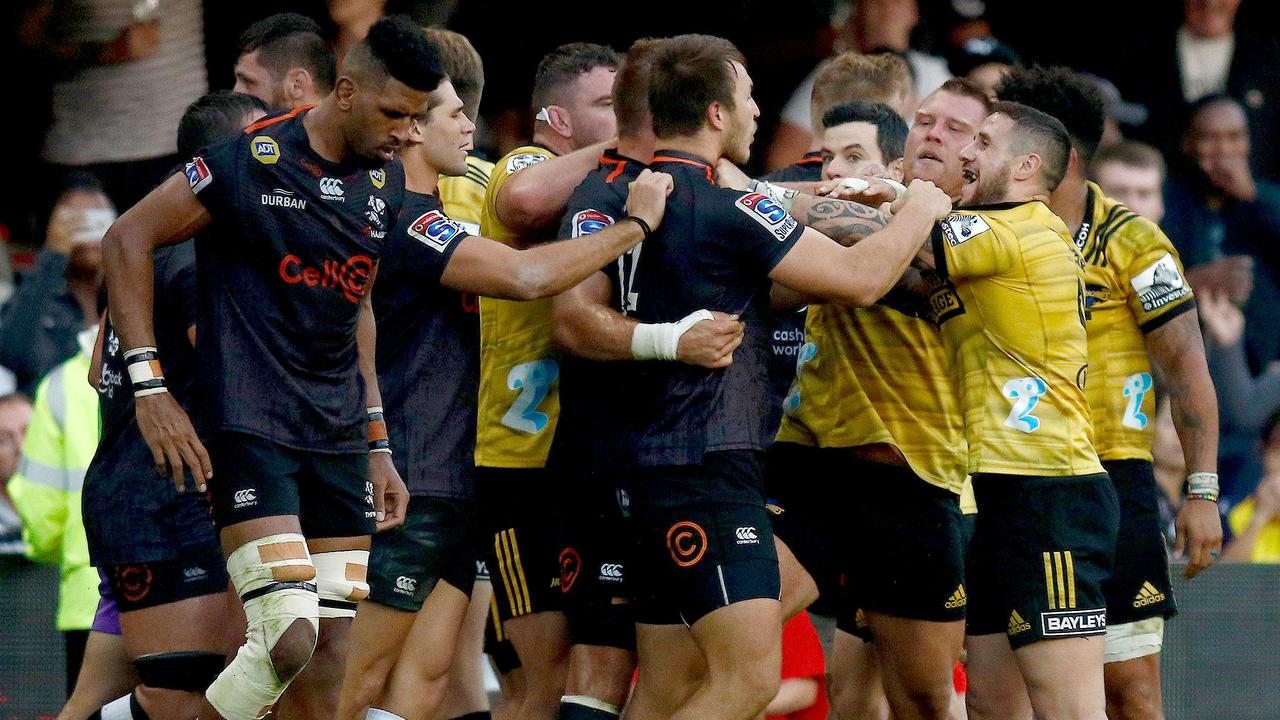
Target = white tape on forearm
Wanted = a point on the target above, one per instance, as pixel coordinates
(661, 341)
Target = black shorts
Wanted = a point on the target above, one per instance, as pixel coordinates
(436, 543)
(330, 494)
(193, 572)
(1139, 587)
(520, 515)
(1041, 551)
(496, 643)
(598, 550)
(134, 515)
(877, 537)
(706, 539)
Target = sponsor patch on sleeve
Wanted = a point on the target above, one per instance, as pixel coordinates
(435, 230)
(198, 175)
(764, 210)
(1160, 284)
(265, 150)
(519, 162)
(586, 222)
(962, 228)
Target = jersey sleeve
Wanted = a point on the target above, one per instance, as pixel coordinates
(1154, 281)
(508, 166)
(967, 245)
(758, 228)
(213, 173)
(430, 235)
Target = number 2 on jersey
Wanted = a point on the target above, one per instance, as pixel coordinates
(1136, 387)
(1025, 394)
(533, 380)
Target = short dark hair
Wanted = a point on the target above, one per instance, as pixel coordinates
(215, 116)
(891, 129)
(1065, 94)
(396, 47)
(1131, 153)
(631, 86)
(689, 73)
(290, 40)
(1208, 101)
(461, 62)
(966, 88)
(1039, 132)
(565, 64)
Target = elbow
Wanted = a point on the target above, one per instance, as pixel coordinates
(522, 208)
(531, 282)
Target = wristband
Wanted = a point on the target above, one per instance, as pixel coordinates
(785, 197)
(1202, 486)
(644, 226)
(379, 441)
(143, 364)
(661, 341)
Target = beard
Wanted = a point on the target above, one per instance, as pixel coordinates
(991, 188)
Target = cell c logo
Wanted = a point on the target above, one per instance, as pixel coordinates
(133, 582)
(570, 566)
(687, 542)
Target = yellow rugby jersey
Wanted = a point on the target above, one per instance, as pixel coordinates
(519, 398)
(1134, 283)
(1011, 309)
(463, 196)
(875, 375)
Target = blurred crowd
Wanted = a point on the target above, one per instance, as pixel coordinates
(1193, 143)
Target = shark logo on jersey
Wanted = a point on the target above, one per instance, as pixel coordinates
(587, 222)
(766, 211)
(435, 230)
(962, 228)
(1160, 284)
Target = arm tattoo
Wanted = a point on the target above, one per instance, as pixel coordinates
(841, 220)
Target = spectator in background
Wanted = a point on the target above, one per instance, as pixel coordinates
(1119, 111)
(15, 415)
(1133, 173)
(132, 67)
(60, 442)
(59, 298)
(871, 26)
(1212, 52)
(1256, 521)
(984, 61)
(285, 62)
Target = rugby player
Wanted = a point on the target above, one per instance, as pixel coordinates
(421, 574)
(157, 546)
(518, 400)
(874, 409)
(285, 338)
(1010, 303)
(285, 62)
(1144, 337)
(695, 435)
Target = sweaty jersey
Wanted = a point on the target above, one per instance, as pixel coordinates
(875, 375)
(463, 195)
(281, 273)
(1011, 309)
(590, 424)
(714, 250)
(1133, 283)
(519, 398)
(427, 365)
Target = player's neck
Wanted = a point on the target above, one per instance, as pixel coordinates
(419, 175)
(640, 149)
(557, 144)
(1069, 200)
(321, 124)
(702, 145)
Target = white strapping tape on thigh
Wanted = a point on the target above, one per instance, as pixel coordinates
(342, 578)
(280, 564)
(1128, 641)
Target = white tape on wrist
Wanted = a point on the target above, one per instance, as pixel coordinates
(661, 341)
(855, 184)
(898, 187)
(785, 197)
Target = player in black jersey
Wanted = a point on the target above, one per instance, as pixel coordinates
(289, 209)
(157, 546)
(427, 366)
(694, 436)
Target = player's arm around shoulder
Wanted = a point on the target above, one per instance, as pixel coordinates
(532, 196)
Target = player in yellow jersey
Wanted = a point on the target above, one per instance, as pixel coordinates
(1144, 336)
(518, 399)
(1011, 309)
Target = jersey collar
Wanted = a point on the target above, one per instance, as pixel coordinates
(688, 159)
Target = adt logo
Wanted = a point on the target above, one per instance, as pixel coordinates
(434, 229)
(587, 222)
(265, 150)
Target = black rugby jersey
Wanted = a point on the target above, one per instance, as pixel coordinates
(428, 353)
(282, 270)
(587, 435)
(806, 169)
(714, 250)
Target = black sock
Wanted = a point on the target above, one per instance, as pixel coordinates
(135, 709)
(570, 709)
(481, 715)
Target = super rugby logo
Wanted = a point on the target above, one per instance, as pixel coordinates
(586, 222)
(687, 543)
(348, 277)
(198, 175)
(769, 214)
(435, 230)
(265, 150)
(570, 566)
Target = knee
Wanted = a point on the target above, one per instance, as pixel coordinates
(1133, 697)
(161, 703)
(990, 704)
(294, 648)
(751, 685)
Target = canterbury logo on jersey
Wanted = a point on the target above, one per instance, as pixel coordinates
(245, 497)
(747, 536)
(406, 585)
(958, 599)
(611, 572)
(1148, 595)
(331, 189)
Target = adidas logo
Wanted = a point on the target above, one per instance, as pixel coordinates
(1148, 595)
(1017, 624)
(958, 599)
